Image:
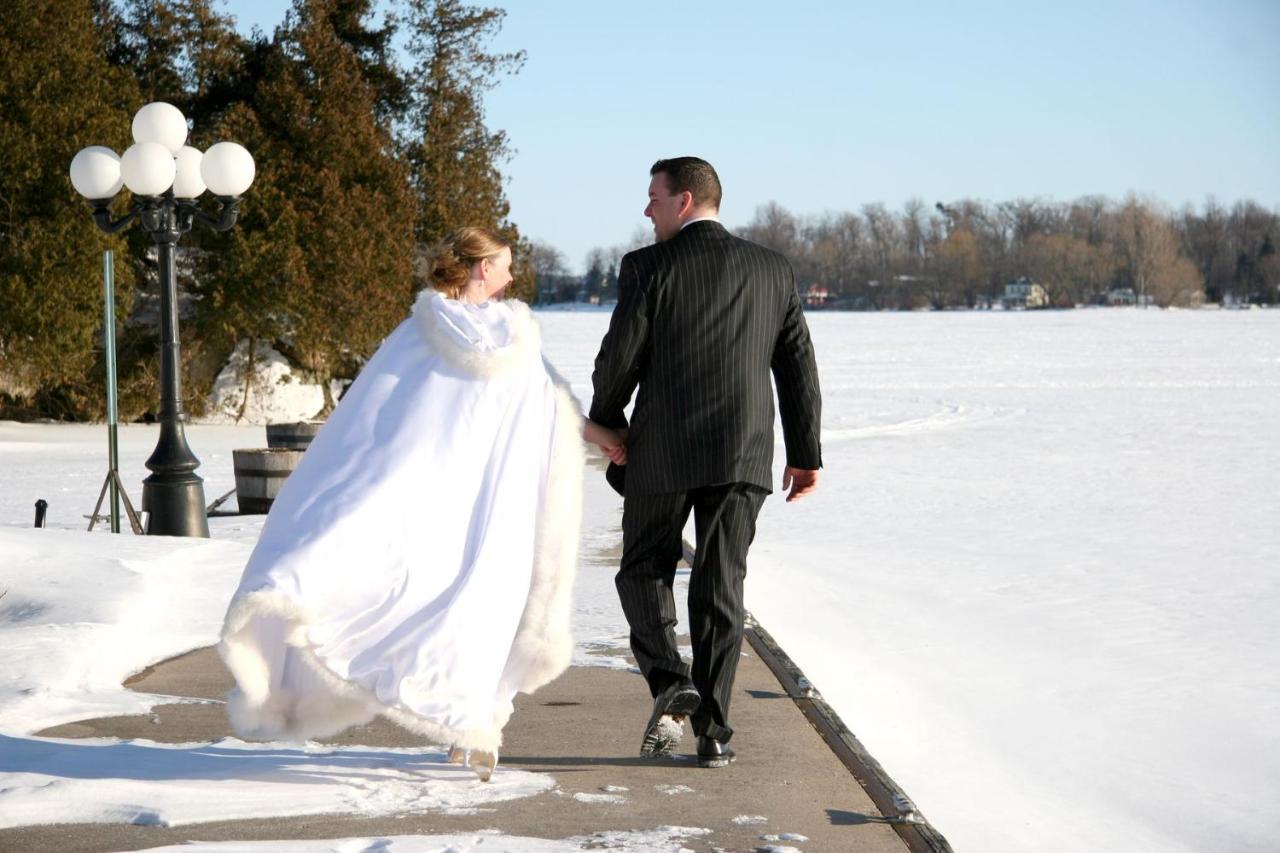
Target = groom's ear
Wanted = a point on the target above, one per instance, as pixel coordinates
(686, 202)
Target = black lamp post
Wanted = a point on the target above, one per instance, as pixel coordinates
(166, 177)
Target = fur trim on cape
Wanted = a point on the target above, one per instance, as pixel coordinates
(543, 645)
(526, 339)
(541, 649)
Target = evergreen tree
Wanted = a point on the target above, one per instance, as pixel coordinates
(152, 47)
(58, 94)
(321, 261)
(593, 281)
(184, 52)
(454, 157)
(375, 53)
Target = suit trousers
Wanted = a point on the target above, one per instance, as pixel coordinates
(725, 523)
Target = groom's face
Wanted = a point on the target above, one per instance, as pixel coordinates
(664, 208)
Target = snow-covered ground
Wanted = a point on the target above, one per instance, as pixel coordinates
(1038, 579)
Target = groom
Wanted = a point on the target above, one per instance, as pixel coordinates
(703, 319)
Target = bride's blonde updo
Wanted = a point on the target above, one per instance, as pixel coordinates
(455, 255)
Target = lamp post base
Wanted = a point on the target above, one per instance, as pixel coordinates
(176, 506)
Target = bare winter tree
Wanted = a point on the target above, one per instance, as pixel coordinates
(774, 226)
(835, 243)
(550, 272)
(958, 270)
(1059, 263)
(914, 224)
(1177, 282)
(1148, 248)
(546, 260)
(883, 244)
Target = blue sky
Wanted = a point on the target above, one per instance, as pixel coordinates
(827, 106)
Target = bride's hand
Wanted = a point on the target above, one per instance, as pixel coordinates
(617, 454)
(614, 445)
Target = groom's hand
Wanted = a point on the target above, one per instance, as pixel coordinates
(801, 481)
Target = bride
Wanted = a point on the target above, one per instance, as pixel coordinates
(419, 562)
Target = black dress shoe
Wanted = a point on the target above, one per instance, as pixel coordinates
(666, 723)
(714, 753)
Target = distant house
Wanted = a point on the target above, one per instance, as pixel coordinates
(816, 296)
(1126, 296)
(1024, 293)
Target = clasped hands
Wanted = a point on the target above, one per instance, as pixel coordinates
(615, 446)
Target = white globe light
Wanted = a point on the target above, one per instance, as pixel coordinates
(95, 172)
(147, 168)
(227, 168)
(162, 123)
(187, 183)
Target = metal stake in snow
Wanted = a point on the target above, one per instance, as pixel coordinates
(109, 355)
(112, 481)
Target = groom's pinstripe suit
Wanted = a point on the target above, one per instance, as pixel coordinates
(702, 321)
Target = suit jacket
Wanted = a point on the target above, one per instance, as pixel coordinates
(702, 321)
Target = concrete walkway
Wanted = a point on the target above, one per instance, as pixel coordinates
(583, 729)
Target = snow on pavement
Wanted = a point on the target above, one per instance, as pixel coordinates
(105, 780)
(662, 839)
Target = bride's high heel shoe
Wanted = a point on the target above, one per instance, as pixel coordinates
(482, 762)
(477, 759)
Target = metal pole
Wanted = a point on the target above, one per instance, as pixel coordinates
(174, 493)
(109, 348)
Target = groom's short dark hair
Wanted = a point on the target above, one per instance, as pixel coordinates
(693, 175)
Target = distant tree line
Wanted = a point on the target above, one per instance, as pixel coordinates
(962, 254)
(599, 284)
(363, 163)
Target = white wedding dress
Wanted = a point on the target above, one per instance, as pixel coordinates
(419, 562)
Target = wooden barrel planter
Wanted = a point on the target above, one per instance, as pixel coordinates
(295, 436)
(260, 472)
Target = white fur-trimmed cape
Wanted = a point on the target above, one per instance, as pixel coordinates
(290, 653)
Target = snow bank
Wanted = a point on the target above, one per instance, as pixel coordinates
(276, 392)
(83, 612)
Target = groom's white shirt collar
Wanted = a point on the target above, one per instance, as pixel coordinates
(689, 222)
